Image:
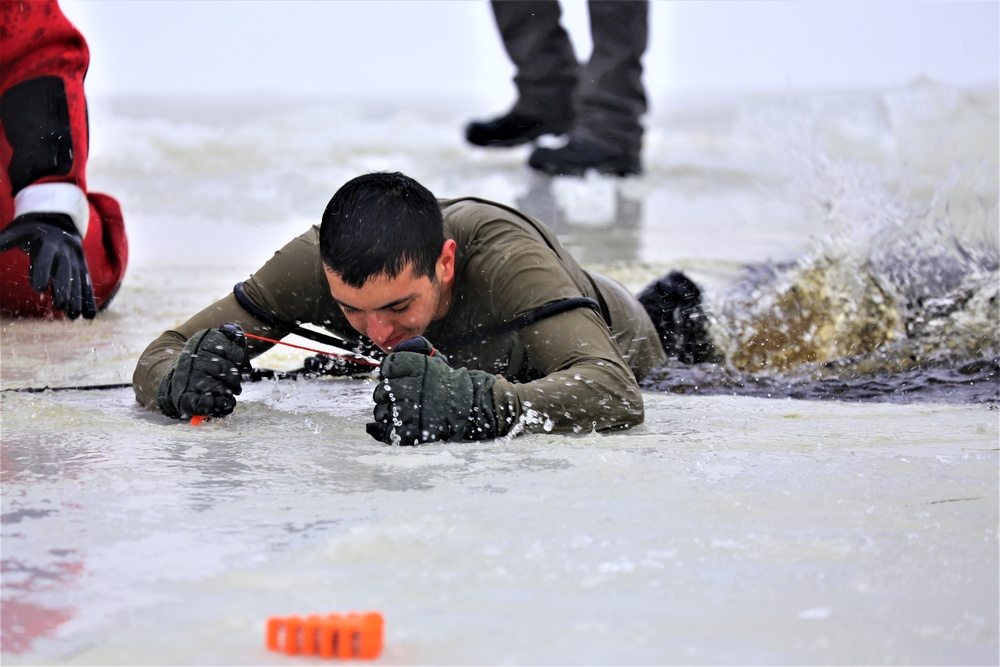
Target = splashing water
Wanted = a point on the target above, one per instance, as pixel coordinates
(397, 423)
(898, 302)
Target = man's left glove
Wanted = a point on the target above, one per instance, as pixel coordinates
(423, 399)
(206, 375)
(55, 249)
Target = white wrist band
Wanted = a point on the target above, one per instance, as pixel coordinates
(55, 198)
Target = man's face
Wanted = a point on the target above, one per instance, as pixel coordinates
(391, 310)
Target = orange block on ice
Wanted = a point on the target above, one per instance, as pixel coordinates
(348, 636)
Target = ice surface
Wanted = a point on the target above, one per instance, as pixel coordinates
(725, 529)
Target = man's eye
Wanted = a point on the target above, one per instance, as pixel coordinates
(348, 310)
(400, 309)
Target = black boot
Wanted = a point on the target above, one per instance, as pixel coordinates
(674, 304)
(576, 157)
(513, 129)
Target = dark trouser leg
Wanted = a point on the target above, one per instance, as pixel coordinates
(541, 51)
(611, 96)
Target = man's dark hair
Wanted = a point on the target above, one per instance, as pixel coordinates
(378, 223)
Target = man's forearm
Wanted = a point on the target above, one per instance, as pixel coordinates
(157, 357)
(153, 365)
(574, 401)
(586, 383)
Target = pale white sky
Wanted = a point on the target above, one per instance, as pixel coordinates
(423, 47)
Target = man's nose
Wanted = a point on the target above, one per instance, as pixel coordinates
(379, 328)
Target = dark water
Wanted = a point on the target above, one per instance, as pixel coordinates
(975, 381)
(923, 330)
(898, 302)
(831, 330)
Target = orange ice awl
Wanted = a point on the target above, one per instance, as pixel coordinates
(348, 637)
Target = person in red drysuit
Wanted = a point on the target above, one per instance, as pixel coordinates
(63, 250)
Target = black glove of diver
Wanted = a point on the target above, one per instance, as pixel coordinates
(55, 249)
(423, 399)
(206, 375)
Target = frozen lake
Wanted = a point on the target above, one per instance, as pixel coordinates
(729, 528)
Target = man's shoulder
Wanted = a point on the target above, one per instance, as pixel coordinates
(472, 214)
(458, 204)
(305, 244)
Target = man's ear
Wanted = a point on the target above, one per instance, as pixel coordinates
(446, 262)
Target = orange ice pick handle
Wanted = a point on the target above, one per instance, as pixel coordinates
(349, 636)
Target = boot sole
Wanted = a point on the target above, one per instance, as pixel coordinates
(581, 170)
(518, 141)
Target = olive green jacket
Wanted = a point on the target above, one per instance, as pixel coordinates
(570, 372)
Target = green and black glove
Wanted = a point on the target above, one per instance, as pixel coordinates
(205, 376)
(423, 399)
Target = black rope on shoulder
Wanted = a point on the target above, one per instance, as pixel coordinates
(526, 319)
(481, 333)
(291, 327)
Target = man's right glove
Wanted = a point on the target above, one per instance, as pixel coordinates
(423, 399)
(206, 375)
(55, 249)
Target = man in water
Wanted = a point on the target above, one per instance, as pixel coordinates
(525, 338)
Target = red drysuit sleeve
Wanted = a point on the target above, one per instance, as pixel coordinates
(44, 147)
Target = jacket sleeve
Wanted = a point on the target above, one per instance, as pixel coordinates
(585, 383)
(43, 111)
(573, 377)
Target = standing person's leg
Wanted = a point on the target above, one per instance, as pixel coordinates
(612, 97)
(546, 77)
(540, 48)
(607, 135)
